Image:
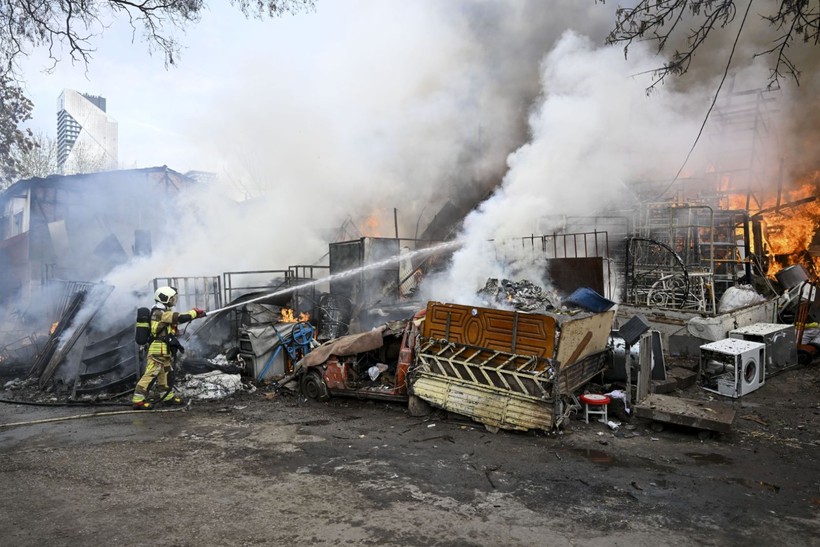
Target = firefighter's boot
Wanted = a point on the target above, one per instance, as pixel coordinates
(140, 403)
(172, 398)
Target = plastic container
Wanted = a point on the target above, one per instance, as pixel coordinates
(588, 300)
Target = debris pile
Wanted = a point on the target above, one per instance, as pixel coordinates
(212, 379)
(522, 295)
(212, 385)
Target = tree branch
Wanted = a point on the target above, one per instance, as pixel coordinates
(660, 21)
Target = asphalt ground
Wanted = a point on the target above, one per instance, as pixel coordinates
(275, 469)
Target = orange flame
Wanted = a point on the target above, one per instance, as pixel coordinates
(371, 226)
(289, 317)
(790, 232)
(53, 327)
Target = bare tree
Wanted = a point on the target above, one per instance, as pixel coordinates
(691, 22)
(73, 27)
(84, 159)
(41, 159)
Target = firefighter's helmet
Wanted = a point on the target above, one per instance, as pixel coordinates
(166, 295)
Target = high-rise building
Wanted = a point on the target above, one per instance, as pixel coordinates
(86, 135)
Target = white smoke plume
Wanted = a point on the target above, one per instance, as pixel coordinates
(415, 111)
(410, 106)
(593, 132)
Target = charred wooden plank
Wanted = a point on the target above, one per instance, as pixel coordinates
(709, 415)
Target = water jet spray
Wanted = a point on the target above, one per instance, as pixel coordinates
(348, 273)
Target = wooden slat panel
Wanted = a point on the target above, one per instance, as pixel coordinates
(489, 328)
(495, 409)
(645, 367)
(574, 376)
(523, 374)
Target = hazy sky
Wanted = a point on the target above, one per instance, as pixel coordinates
(425, 97)
(346, 68)
(160, 111)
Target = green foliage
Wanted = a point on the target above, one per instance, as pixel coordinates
(15, 109)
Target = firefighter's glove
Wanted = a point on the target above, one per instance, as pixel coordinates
(199, 312)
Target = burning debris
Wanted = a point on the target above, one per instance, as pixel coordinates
(288, 316)
(681, 258)
(678, 258)
(526, 296)
(792, 229)
(521, 295)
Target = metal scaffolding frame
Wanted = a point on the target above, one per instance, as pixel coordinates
(685, 256)
(594, 244)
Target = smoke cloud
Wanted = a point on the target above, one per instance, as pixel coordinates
(417, 110)
(371, 105)
(593, 131)
(409, 107)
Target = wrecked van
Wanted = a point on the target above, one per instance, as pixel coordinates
(368, 365)
(505, 369)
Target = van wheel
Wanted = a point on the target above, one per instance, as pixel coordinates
(313, 387)
(804, 357)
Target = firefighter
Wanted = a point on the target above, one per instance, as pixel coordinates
(163, 348)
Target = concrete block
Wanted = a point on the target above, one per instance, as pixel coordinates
(684, 377)
(664, 386)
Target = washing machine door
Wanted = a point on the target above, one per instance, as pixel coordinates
(749, 376)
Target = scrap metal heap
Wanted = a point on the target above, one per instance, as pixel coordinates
(522, 295)
(684, 256)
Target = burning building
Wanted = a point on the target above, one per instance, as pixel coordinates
(59, 232)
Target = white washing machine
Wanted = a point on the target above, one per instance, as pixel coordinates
(780, 340)
(732, 367)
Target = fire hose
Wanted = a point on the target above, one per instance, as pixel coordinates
(94, 415)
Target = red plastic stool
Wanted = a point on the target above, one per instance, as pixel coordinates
(596, 405)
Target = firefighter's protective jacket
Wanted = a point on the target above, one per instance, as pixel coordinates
(164, 328)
